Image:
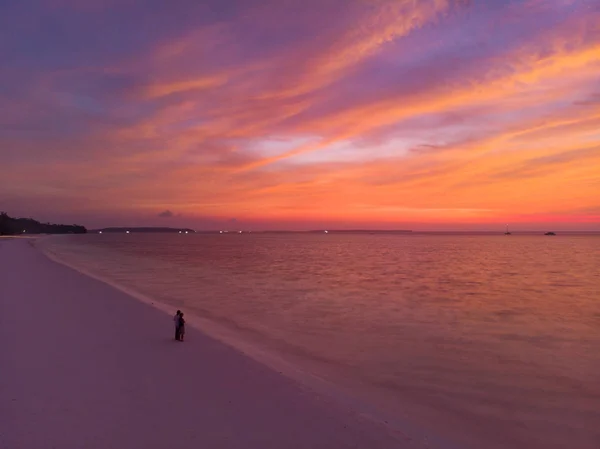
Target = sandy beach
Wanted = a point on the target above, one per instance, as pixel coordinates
(87, 366)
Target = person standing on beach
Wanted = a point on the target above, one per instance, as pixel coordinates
(181, 327)
(176, 320)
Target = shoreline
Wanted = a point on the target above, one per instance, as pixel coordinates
(327, 390)
(117, 393)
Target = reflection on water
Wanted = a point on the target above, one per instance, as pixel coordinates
(489, 341)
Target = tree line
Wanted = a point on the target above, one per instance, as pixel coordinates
(14, 226)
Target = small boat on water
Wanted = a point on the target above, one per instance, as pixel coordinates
(550, 233)
(507, 232)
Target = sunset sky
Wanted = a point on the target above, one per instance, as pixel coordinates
(298, 114)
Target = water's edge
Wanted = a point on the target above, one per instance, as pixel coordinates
(403, 430)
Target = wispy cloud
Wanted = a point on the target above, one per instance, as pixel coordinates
(379, 112)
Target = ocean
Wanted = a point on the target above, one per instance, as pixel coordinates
(459, 341)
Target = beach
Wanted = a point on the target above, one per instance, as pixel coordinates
(85, 365)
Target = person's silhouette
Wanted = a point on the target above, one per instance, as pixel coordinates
(181, 327)
(176, 321)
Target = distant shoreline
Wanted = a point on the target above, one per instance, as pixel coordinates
(139, 230)
(162, 230)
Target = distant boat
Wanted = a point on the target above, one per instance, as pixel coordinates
(507, 232)
(550, 233)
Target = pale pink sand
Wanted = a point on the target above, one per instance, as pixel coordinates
(84, 366)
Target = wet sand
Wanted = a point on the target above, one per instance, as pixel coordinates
(84, 365)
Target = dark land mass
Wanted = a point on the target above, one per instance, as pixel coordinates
(16, 226)
(143, 230)
(191, 231)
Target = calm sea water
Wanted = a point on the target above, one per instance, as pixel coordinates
(479, 341)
